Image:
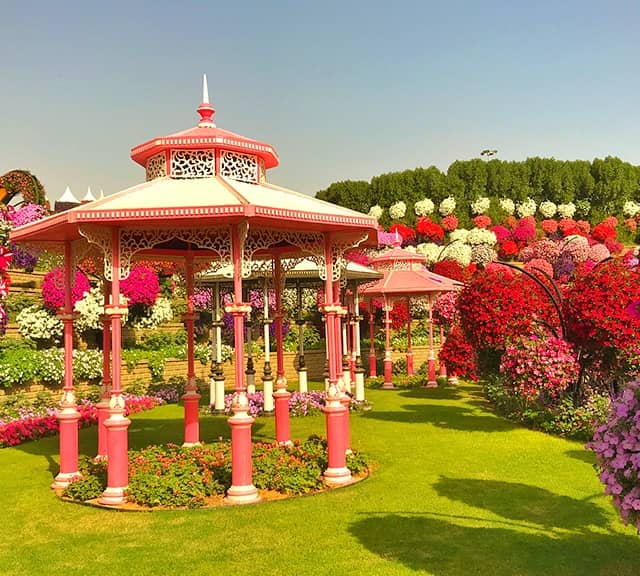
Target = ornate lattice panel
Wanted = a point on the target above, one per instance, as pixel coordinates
(193, 163)
(394, 265)
(156, 166)
(242, 167)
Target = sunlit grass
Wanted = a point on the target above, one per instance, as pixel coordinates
(456, 491)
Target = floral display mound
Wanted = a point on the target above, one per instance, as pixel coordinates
(169, 476)
(617, 448)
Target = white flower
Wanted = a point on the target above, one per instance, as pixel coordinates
(483, 254)
(423, 207)
(430, 251)
(548, 209)
(90, 308)
(159, 313)
(480, 205)
(35, 323)
(566, 210)
(459, 234)
(479, 236)
(459, 252)
(398, 210)
(631, 209)
(376, 211)
(447, 206)
(526, 208)
(507, 205)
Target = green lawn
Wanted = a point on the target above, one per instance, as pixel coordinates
(456, 491)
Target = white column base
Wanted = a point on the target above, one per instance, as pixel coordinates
(113, 496)
(337, 476)
(63, 480)
(302, 381)
(360, 386)
(242, 495)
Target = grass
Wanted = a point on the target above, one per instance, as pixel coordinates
(457, 491)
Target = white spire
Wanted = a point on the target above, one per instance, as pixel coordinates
(101, 194)
(205, 90)
(88, 197)
(68, 196)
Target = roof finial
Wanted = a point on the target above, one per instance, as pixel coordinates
(205, 109)
(205, 90)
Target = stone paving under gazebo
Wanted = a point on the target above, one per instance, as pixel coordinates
(207, 202)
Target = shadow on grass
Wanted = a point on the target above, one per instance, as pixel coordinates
(440, 393)
(448, 417)
(523, 503)
(585, 456)
(445, 548)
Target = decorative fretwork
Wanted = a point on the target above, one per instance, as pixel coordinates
(132, 240)
(338, 261)
(193, 163)
(217, 240)
(263, 172)
(156, 166)
(101, 237)
(395, 265)
(242, 167)
(262, 239)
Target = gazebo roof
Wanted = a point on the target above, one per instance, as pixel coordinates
(410, 283)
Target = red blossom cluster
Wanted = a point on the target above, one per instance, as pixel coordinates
(406, 232)
(603, 231)
(142, 286)
(482, 221)
(449, 223)
(399, 315)
(429, 229)
(458, 355)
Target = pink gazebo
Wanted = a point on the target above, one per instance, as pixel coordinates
(404, 277)
(205, 201)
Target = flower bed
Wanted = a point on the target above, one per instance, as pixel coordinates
(34, 423)
(170, 476)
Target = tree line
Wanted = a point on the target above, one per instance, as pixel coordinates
(605, 183)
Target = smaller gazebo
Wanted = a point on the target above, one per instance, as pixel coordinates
(404, 277)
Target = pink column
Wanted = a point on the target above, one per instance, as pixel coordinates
(68, 415)
(117, 424)
(388, 364)
(105, 393)
(242, 490)
(191, 397)
(281, 395)
(372, 347)
(442, 366)
(409, 349)
(431, 362)
(337, 472)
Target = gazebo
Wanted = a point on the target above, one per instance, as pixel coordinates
(404, 277)
(298, 273)
(207, 202)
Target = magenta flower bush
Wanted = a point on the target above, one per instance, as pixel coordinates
(445, 308)
(616, 444)
(142, 286)
(53, 288)
(545, 249)
(34, 424)
(536, 367)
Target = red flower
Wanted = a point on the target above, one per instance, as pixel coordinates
(603, 231)
(508, 249)
(449, 222)
(482, 221)
(549, 226)
(404, 231)
(429, 229)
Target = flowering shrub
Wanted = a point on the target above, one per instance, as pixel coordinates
(399, 315)
(502, 233)
(159, 313)
(482, 254)
(35, 323)
(459, 252)
(536, 264)
(536, 366)
(615, 444)
(603, 231)
(478, 236)
(458, 355)
(450, 269)
(424, 207)
(567, 210)
(445, 308)
(27, 213)
(482, 221)
(397, 210)
(429, 229)
(577, 247)
(507, 205)
(525, 230)
(53, 288)
(447, 206)
(631, 209)
(598, 252)
(142, 286)
(376, 211)
(508, 250)
(25, 258)
(430, 251)
(480, 205)
(449, 223)
(549, 226)
(526, 208)
(548, 209)
(90, 307)
(405, 232)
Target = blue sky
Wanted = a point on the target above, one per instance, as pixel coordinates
(342, 89)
